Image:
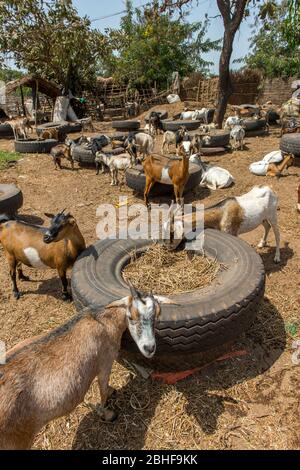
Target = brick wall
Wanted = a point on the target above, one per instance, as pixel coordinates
(277, 90)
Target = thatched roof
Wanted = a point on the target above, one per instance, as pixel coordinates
(44, 86)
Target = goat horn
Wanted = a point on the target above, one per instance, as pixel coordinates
(133, 290)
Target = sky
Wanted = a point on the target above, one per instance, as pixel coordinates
(100, 8)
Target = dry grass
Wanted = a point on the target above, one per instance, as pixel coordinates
(168, 272)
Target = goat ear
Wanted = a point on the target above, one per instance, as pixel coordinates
(164, 300)
(119, 303)
(50, 216)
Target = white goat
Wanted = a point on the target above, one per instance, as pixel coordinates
(48, 376)
(114, 163)
(213, 177)
(237, 215)
(142, 142)
(233, 121)
(206, 128)
(198, 114)
(237, 134)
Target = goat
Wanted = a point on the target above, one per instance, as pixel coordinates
(196, 144)
(233, 121)
(213, 177)
(63, 151)
(48, 376)
(140, 141)
(87, 124)
(175, 172)
(155, 123)
(52, 133)
(236, 215)
(237, 134)
(114, 163)
(175, 138)
(263, 168)
(56, 247)
(196, 115)
(206, 128)
(291, 125)
(20, 127)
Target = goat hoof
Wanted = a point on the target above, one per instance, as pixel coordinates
(24, 278)
(67, 297)
(277, 259)
(17, 295)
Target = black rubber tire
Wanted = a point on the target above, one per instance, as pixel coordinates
(64, 127)
(290, 143)
(126, 125)
(35, 146)
(204, 318)
(254, 125)
(259, 133)
(163, 114)
(6, 131)
(221, 139)
(136, 180)
(11, 199)
(174, 125)
(85, 156)
(272, 117)
(213, 150)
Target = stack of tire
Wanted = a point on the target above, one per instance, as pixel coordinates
(6, 131)
(35, 145)
(136, 180)
(255, 127)
(84, 155)
(11, 199)
(290, 143)
(64, 127)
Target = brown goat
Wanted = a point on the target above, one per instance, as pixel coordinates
(56, 247)
(62, 151)
(276, 169)
(175, 172)
(48, 376)
(52, 133)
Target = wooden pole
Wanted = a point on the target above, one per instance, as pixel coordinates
(36, 101)
(22, 100)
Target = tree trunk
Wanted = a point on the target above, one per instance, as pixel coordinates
(225, 85)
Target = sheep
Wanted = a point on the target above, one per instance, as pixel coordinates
(55, 247)
(237, 134)
(235, 215)
(140, 141)
(213, 177)
(115, 163)
(48, 376)
(176, 172)
(173, 138)
(263, 168)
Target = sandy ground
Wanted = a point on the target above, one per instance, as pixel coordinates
(248, 402)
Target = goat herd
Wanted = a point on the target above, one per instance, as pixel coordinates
(46, 377)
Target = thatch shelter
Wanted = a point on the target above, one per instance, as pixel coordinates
(13, 103)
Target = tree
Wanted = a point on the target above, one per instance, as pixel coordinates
(271, 52)
(291, 28)
(232, 12)
(150, 45)
(49, 38)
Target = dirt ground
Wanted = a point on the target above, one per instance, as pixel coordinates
(247, 402)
